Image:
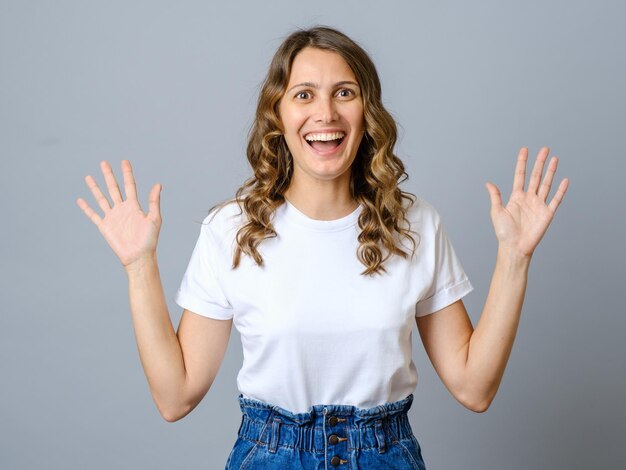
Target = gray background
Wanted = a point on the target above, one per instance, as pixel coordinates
(172, 87)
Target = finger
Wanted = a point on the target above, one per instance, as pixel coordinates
(495, 196)
(114, 189)
(89, 212)
(100, 198)
(520, 170)
(558, 197)
(154, 208)
(535, 176)
(544, 190)
(130, 188)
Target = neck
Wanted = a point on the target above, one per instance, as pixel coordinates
(331, 203)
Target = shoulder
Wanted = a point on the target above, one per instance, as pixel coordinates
(224, 219)
(422, 215)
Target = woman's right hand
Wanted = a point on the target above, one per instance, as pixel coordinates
(131, 234)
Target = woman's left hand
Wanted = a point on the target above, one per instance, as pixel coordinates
(521, 224)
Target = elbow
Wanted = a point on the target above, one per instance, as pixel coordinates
(171, 414)
(478, 407)
(476, 403)
(171, 417)
(175, 408)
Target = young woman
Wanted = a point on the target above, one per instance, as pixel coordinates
(323, 264)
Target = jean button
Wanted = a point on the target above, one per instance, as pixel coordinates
(332, 420)
(333, 439)
(335, 461)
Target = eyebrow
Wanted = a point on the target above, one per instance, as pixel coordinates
(314, 85)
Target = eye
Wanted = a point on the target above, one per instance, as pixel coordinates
(303, 95)
(345, 93)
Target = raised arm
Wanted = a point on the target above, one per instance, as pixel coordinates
(180, 367)
(470, 362)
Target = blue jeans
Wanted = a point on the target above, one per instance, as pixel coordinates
(326, 437)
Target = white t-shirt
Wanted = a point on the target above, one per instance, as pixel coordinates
(313, 329)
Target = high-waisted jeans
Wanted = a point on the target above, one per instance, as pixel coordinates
(326, 437)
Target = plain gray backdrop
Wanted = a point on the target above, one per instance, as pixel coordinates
(172, 86)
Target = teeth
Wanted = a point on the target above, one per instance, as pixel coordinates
(324, 137)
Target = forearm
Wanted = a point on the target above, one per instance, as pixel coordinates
(159, 349)
(491, 342)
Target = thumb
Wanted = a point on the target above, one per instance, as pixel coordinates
(494, 195)
(154, 210)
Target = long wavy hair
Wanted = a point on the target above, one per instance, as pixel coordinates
(375, 173)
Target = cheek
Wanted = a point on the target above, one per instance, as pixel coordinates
(357, 118)
(298, 121)
(292, 120)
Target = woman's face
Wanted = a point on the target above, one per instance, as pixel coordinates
(322, 117)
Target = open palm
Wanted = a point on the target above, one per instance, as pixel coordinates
(131, 233)
(522, 223)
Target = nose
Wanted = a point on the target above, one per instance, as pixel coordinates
(326, 111)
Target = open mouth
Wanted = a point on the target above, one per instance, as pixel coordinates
(325, 142)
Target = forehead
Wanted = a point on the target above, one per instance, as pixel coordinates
(319, 65)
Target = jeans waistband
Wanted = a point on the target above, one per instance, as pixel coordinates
(359, 428)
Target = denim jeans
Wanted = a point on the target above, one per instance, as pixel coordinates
(325, 437)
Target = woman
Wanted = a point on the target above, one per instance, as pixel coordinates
(322, 262)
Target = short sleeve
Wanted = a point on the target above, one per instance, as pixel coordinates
(200, 290)
(449, 281)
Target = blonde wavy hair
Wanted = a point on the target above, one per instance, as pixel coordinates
(375, 173)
